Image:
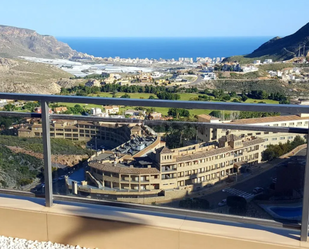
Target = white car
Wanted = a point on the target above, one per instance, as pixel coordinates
(222, 203)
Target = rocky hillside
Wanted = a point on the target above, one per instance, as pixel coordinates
(22, 76)
(25, 42)
(285, 48)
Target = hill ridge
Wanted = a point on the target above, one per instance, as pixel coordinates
(15, 41)
(286, 47)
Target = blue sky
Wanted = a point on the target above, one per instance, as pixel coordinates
(156, 18)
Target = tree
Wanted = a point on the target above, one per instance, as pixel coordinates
(78, 109)
(5, 122)
(216, 114)
(226, 97)
(233, 94)
(244, 97)
(151, 97)
(31, 106)
(187, 133)
(9, 107)
(178, 112)
(125, 96)
(236, 101)
(275, 151)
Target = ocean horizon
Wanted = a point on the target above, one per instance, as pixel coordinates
(164, 47)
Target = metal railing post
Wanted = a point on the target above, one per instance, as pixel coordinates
(47, 154)
(305, 214)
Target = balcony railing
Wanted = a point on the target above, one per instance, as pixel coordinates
(46, 117)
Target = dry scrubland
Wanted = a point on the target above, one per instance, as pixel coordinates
(21, 76)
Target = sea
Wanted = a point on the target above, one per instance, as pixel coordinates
(165, 48)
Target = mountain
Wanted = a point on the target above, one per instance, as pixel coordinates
(285, 48)
(21, 76)
(18, 75)
(25, 42)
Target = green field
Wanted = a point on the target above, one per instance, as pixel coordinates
(267, 101)
(183, 96)
(157, 109)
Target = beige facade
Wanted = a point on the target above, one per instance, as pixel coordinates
(84, 131)
(192, 166)
(111, 109)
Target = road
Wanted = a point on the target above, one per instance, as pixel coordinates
(261, 180)
(197, 81)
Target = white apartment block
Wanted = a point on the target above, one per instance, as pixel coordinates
(212, 134)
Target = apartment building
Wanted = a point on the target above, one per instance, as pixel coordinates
(112, 109)
(155, 115)
(165, 169)
(207, 134)
(84, 131)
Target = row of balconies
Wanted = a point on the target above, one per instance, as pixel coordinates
(138, 179)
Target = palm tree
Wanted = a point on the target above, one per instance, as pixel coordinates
(188, 132)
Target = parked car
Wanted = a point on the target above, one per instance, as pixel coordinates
(258, 190)
(222, 203)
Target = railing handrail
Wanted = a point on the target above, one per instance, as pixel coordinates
(283, 108)
(231, 126)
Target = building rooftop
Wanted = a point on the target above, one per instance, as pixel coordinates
(269, 119)
(122, 169)
(200, 154)
(207, 117)
(164, 150)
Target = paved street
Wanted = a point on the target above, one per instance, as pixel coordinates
(197, 81)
